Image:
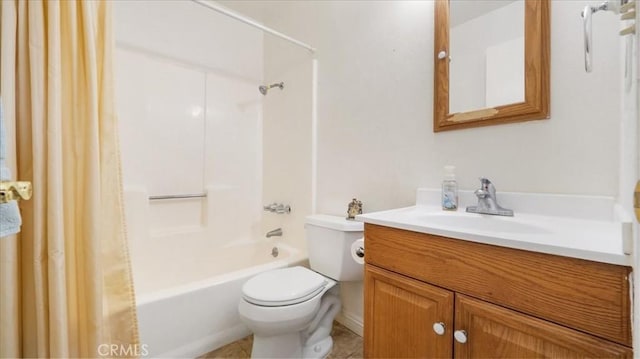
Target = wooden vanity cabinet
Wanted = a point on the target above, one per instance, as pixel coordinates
(400, 315)
(496, 332)
(409, 288)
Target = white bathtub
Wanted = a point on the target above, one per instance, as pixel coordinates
(188, 290)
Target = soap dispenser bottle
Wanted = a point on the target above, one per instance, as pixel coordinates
(449, 189)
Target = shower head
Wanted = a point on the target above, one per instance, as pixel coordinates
(264, 89)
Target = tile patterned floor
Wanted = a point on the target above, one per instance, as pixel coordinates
(346, 344)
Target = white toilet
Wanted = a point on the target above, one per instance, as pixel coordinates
(291, 310)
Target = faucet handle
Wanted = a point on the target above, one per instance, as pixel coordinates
(484, 180)
(485, 184)
(281, 208)
(481, 193)
(278, 208)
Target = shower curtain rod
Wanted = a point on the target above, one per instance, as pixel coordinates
(223, 10)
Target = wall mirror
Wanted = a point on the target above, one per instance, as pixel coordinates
(491, 62)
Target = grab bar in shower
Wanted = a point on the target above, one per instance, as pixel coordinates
(177, 196)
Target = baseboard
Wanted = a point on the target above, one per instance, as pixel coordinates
(351, 321)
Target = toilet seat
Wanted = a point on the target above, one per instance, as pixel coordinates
(282, 287)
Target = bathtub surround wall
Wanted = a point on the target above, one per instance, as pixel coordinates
(196, 39)
(375, 105)
(191, 120)
(287, 127)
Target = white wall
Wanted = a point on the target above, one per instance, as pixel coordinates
(375, 108)
(190, 118)
(375, 94)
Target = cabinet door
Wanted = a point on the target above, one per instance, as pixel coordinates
(400, 314)
(496, 332)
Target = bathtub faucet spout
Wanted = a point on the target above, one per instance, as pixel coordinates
(276, 232)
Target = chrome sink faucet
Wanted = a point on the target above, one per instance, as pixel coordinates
(487, 203)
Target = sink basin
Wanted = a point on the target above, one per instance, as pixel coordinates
(591, 228)
(483, 223)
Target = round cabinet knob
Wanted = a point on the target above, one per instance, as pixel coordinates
(439, 328)
(461, 336)
(442, 54)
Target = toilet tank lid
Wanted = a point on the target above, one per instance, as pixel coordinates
(335, 222)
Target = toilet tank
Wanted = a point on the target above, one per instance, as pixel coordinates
(329, 240)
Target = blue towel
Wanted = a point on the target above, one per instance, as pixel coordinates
(10, 220)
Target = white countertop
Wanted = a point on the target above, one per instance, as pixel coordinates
(592, 239)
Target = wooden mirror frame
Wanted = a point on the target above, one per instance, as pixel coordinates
(536, 77)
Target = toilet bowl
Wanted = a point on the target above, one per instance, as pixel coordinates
(288, 325)
(291, 310)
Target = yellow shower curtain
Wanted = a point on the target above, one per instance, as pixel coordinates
(66, 287)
